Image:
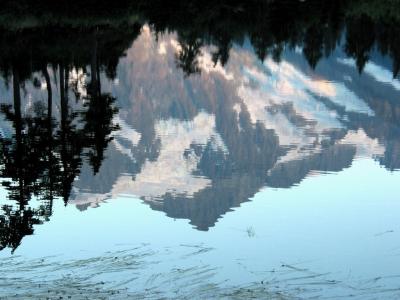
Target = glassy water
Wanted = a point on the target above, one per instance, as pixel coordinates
(148, 157)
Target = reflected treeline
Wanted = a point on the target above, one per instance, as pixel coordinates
(317, 27)
(41, 156)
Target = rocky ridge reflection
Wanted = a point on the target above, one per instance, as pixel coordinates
(195, 147)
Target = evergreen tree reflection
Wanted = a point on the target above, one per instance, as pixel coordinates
(23, 163)
(41, 159)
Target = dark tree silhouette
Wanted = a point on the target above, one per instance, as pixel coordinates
(187, 57)
(22, 161)
(44, 155)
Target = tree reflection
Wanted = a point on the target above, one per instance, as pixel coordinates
(187, 57)
(23, 163)
(41, 159)
(317, 27)
(98, 116)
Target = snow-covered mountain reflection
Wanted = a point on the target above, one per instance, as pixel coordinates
(195, 147)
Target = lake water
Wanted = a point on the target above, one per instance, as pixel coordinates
(143, 163)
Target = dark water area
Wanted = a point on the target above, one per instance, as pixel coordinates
(196, 149)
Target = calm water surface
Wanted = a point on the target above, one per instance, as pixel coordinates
(173, 174)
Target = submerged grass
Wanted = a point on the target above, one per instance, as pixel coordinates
(142, 273)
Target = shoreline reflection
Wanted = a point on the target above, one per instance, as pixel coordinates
(193, 126)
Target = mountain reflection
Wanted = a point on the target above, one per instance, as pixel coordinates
(193, 119)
